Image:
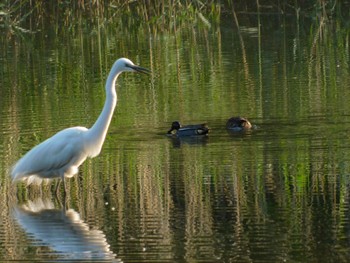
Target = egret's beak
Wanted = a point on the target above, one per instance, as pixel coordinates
(140, 69)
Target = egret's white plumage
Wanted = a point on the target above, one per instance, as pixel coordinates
(61, 155)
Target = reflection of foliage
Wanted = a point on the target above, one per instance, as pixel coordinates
(272, 182)
(11, 18)
(69, 14)
(25, 15)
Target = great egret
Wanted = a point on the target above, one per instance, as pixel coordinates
(188, 130)
(61, 155)
(238, 124)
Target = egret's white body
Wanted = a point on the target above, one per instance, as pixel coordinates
(61, 155)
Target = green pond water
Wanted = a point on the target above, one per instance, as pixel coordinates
(279, 193)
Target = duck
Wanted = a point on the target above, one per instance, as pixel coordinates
(188, 130)
(238, 124)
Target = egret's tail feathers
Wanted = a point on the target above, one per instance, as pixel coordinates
(16, 175)
(33, 179)
(28, 179)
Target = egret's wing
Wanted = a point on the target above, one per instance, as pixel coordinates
(51, 155)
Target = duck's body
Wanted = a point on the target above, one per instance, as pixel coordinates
(188, 130)
(238, 124)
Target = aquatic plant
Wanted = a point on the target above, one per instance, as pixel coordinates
(29, 16)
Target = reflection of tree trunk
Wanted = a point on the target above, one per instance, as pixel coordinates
(244, 56)
(260, 59)
(284, 66)
(151, 56)
(199, 212)
(178, 67)
(315, 65)
(241, 202)
(317, 36)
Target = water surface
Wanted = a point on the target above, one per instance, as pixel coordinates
(279, 193)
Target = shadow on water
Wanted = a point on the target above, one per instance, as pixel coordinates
(63, 232)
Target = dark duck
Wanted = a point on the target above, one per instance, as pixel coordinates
(238, 124)
(188, 130)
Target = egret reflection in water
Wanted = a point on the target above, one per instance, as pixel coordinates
(62, 231)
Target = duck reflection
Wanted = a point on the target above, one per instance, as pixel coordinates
(63, 231)
(190, 140)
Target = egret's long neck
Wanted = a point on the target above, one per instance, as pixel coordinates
(97, 133)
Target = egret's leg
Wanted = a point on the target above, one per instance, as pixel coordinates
(64, 186)
(41, 190)
(57, 186)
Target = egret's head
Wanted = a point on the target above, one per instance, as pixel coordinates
(124, 64)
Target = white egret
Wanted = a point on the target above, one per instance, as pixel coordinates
(188, 130)
(61, 155)
(238, 124)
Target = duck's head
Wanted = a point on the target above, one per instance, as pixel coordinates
(174, 126)
(238, 123)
